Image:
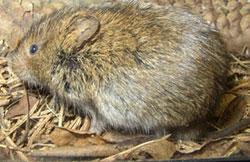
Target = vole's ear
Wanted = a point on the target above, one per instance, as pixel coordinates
(80, 31)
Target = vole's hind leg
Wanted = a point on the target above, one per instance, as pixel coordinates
(193, 132)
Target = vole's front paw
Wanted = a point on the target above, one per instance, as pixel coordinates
(55, 103)
(96, 127)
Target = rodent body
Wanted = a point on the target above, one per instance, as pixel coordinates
(140, 70)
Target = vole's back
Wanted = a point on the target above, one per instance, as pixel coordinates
(166, 69)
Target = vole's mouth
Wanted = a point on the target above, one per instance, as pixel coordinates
(27, 77)
(19, 67)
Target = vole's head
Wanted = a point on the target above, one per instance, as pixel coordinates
(52, 46)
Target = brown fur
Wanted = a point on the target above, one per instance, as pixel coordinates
(140, 70)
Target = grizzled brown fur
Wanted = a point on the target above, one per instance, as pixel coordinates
(136, 69)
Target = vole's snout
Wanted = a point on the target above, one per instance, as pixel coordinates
(16, 63)
(10, 56)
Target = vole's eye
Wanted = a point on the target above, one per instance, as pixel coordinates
(33, 49)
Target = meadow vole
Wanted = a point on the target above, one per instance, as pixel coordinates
(136, 69)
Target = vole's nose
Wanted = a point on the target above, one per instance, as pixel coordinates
(9, 55)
